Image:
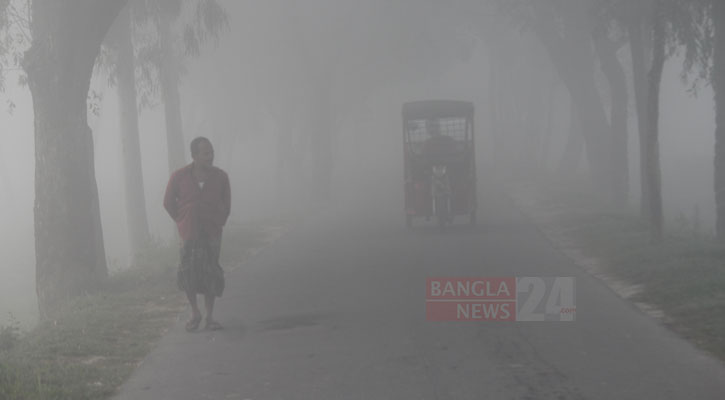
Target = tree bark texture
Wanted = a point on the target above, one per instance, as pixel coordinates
(639, 77)
(612, 69)
(138, 230)
(169, 77)
(718, 80)
(652, 147)
(70, 257)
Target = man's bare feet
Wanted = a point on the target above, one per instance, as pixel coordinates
(212, 325)
(193, 323)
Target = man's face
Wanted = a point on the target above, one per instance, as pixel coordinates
(204, 156)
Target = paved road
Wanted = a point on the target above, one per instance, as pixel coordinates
(335, 310)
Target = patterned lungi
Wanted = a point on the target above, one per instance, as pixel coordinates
(199, 269)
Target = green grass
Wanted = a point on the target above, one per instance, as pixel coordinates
(96, 340)
(683, 275)
(91, 347)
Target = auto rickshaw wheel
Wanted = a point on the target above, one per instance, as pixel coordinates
(442, 221)
(442, 224)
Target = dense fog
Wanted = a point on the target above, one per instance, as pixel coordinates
(261, 80)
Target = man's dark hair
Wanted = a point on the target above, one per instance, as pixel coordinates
(194, 147)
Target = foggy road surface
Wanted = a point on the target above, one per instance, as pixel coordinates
(335, 309)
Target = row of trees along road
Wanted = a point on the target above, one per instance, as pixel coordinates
(67, 37)
(579, 33)
(66, 40)
(141, 49)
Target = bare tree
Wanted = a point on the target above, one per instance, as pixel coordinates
(565, 28)
(606, 48)
(121, 68)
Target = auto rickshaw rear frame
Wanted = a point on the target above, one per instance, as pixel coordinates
(450, 118)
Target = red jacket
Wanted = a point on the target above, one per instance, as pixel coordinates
(198, 209)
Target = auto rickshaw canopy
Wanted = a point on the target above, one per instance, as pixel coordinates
(437, 109)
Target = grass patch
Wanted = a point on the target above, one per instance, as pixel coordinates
(683, 275)
(94, 343)
(97, 340)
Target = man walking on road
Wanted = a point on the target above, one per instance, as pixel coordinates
(198, 199)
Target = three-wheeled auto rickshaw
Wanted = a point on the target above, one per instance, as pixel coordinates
(439, 161)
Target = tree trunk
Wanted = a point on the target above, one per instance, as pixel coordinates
(494, 104)
(593, 124)
(572, 57)
(169, 77)
(639, 74)
(718, 80)
(534, 128)
(321, 148)
(612, 69)
(543, 157)
(652, 147)
(138, 231)
(285, 168)
(70, 257)
(574, 147)
(6, 185)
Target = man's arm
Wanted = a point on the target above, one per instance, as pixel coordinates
(170, 198)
